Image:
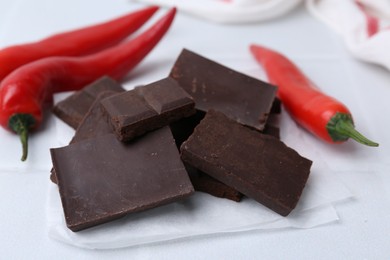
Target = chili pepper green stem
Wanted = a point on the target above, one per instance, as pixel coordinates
(341, 127)
(20, 124)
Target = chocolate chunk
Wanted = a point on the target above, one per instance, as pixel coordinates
(181, 130)
(53, 176)
(184, 127)
(73, 109)
(276, 106)
(138, 111)
(204, 183)
(93, 124)
(102, 179)
(259, 166)
(272, 125)
(213, 86)
(272, 130)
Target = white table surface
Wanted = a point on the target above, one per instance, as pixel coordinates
(364, 227)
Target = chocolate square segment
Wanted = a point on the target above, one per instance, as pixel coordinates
(214, 86)
(102, 179)
(73, 109)
(257, 165)
(146, 108)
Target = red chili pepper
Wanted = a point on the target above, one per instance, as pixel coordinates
(74, 43)
(24, 91)
(322, 115)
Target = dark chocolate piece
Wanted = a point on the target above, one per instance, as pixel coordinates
(73, 109)
(272, 130)
(146, 108)
(260, 166)
(181, 130)
(272, 125)
(102, 179)
(213, 86)
(184, 127)
(93, 124)
(204, 183)
(53, 176)
(276, 106)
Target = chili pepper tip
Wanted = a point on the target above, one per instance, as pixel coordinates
(20, 124)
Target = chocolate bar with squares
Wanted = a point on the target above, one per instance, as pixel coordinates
(146, 108)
